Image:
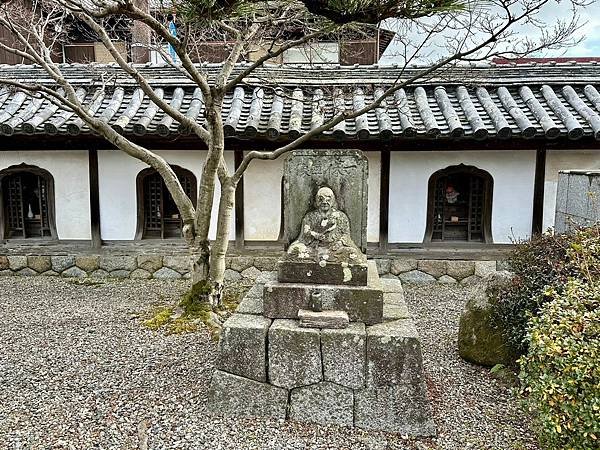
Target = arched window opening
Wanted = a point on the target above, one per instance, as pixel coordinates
(460, 205)
(27, 203)
(158, 216)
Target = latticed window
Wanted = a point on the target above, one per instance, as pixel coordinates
(159, 215)
(460, 205)
(27, 204)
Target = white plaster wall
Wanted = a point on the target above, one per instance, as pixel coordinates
(262, 199)
(557, 160)
(71, 186)
(118, 198)
(512, 203)
(374, 191)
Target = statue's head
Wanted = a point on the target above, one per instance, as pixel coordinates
(325, 199)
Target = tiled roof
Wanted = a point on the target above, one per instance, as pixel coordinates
(279, 103)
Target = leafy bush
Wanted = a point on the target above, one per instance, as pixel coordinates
(546, 261)
(561, 372)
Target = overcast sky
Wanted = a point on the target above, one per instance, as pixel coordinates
(589, 31)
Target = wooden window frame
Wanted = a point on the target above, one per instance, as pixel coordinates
(486, 225)
(141, 200)
(47, 176)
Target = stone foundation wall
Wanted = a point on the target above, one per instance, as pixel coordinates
(239, 268)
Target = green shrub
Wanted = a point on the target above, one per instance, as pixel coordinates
(546, 261)
(560, 374)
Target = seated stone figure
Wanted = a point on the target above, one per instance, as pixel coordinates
(325, 234)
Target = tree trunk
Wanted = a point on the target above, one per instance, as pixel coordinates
(219, 249)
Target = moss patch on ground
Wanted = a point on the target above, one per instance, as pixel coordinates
(193, 312)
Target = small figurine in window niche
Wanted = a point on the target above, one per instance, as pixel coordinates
(451, 194)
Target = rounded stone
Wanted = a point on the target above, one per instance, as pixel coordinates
(87, 263)
(120, 274)
(17, 262)
(240, 263)
(181, 264)
(231, 275)
(39, 263)
(74, 272)
(4, 263)
(399, 266)
(446, 279)
(433, 267)
(61, 263)
(150, 263)
(460, 269)
(251, 273)
(140, 274)
(111, 263)
(27, 272)
(167, 274)
(416, 276)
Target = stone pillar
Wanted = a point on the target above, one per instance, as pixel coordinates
(577, 199)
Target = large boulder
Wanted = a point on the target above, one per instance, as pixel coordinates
(480, 338)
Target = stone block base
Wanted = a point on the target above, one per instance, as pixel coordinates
(362, 303)
(365, 376)
(329, 273)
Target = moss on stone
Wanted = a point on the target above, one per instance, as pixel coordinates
(160, 317)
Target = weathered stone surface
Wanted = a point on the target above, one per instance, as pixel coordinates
(322, 403)
(243, 346)
(240, 263)
(50, 273)
(181, 264)
(99, 273)
(323, 319)
(393, 298)
(395, 398)
(391, 285)
(344, 354)
(39, 263)
(460, 269)
(74, 272)
(4, 264)
(294, 355)
(484, 268)
(577, 199)
(250, 305)
(231, 275)
(236, 396)
(7, 273)
(88, 263)
(17, 262)
(395, 312)
(344, 171)
(150, 263)
(251, 273)
(268, 263)
(140, 274)
(480, 339)
(60, 263)
(27, 272)
(383, 265)
(446, 279)
(399, 266)
(110, 263)
(120, 274)
(416, 276)
(393, 354)
(266, 277)
(473, 279)
(330, 273)
(503, 264)
(283, 300)
(434, 267)
(403, 409)
(256, 290)
(167, 274)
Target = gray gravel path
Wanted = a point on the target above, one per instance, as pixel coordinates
(77, 371)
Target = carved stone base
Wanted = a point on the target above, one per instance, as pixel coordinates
(297, 271)
(323, 319)
(365, 376)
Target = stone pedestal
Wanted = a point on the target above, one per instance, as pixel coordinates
(368, 376)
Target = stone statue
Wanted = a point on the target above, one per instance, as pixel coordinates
(325, 234)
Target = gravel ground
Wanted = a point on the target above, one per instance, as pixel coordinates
(78, 371)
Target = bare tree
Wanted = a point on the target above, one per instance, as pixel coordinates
(471, 31)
